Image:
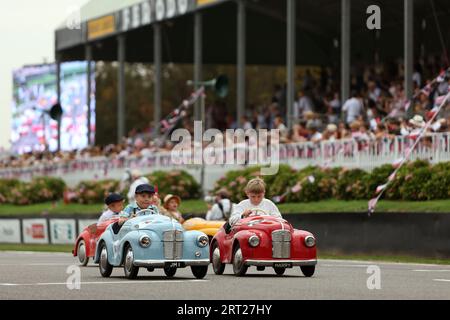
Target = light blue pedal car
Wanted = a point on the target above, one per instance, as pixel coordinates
(152, 241)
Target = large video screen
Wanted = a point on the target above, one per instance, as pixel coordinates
(34, 95)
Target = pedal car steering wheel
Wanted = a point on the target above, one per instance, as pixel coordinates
(255, 210)
(144, 211)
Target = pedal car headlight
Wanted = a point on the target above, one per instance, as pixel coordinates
(202, 241)
(253, 241)
(145, 241)
(310, 241)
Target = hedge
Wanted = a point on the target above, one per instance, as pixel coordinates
(416, 181)
(38, 190)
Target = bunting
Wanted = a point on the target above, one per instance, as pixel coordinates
(399, 163)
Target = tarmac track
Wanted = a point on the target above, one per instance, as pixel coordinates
(37, 275)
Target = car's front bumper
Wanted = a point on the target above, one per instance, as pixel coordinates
(162, 263)
(289, 262)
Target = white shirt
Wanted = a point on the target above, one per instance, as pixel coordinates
(266, 205)
(353, 108)
(216, 214)
(108, 214)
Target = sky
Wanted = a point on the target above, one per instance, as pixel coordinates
(27, 37)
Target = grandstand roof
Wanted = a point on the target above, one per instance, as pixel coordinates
(97, 8)
(318, 31)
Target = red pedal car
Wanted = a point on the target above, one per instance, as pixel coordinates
(263, 241)
(86, 242)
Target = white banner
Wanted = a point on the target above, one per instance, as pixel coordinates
(83, 223)
(35, 231)
(62, 231)
(9, 231)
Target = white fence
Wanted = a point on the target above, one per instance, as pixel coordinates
(366, 154)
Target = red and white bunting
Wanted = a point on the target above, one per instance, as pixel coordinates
(407, 105)
(438, 101)
(392, 176)
(381, 188)
(296, 188)
(397, 162)
(372, 205)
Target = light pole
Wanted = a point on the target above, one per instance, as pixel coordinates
(220, 86)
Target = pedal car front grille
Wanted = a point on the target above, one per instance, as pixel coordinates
(173, 244)
(281, 244)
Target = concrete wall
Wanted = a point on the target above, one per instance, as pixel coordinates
(418, 234)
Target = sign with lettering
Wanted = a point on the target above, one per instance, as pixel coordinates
(9, 231)
(62, 231)
(204, 2)
(101, 27)
(34, 231)
(147, 12)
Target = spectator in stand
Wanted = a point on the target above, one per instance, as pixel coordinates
(299, 132)
(353, 108)
(381, 132)
(334, 108)
(314, 136)
(303, 104)
(245, 123)
(278, 124)
(331, 133)
(373, 91)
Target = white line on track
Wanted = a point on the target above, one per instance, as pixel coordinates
(42, 253)
(442, 280)
(99, 282)
(345, 265)
(431, 270)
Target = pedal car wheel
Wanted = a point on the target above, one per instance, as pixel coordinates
(218, 266)
(130, 269)
(105, 267)
(279, 271)
(239, 268)
(199, 271)
(170, 271)
(81, 253)
(308, 271)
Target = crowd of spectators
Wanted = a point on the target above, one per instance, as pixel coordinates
(375, 110)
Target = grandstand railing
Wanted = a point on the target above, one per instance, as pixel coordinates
(364, 154)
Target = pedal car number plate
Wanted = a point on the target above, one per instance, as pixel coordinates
(282, 265)
(175, 265)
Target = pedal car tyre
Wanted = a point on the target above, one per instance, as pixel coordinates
(130, 270)
(81, 253)
(104, 266)
(308, 271)
(218, 266)
(170, 271)
(239, 268)
(279, 271)
(199, 271)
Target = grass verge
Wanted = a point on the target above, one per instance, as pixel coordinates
(199, 207)
(37, 247)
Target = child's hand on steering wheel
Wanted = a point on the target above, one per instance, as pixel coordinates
(246, 213)
(253, 212)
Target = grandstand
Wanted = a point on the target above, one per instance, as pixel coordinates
(264, 32)
(383, 67)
